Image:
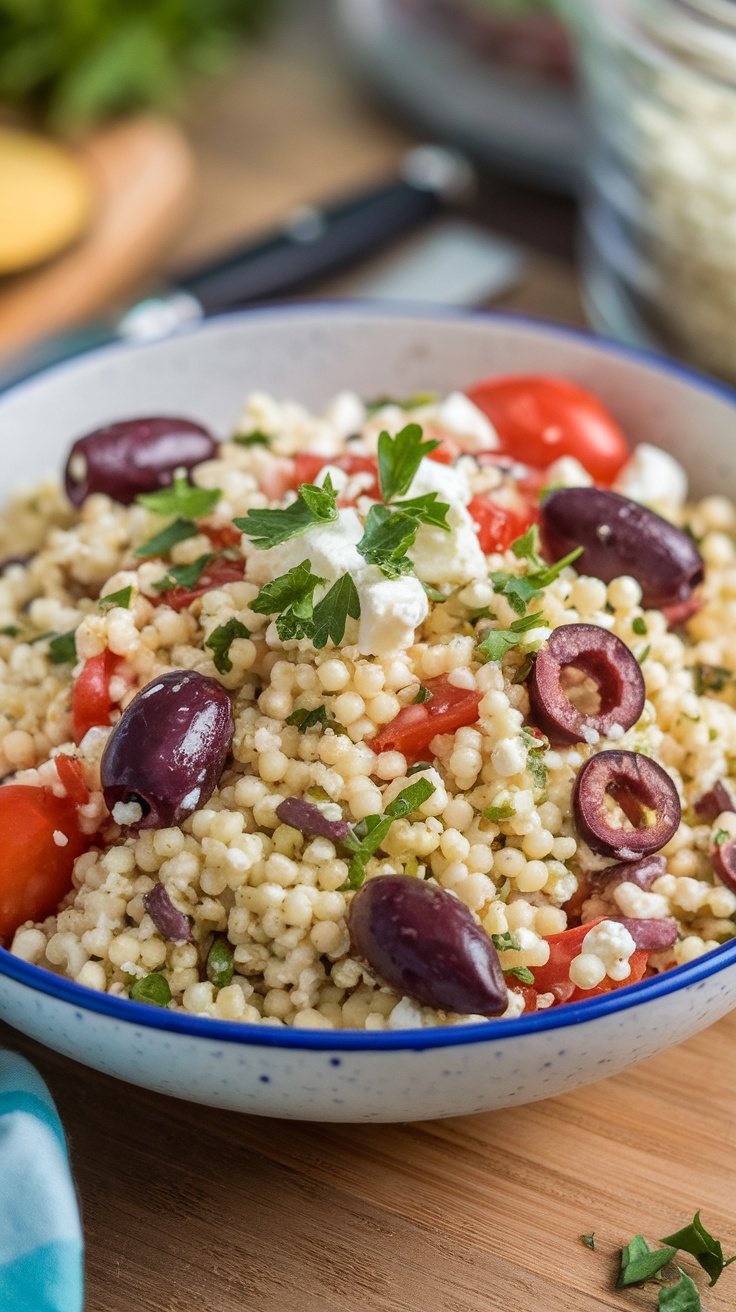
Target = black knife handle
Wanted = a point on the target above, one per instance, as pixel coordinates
(312, 244)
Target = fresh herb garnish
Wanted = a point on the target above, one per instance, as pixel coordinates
(368, 834)
(434, 594)
(399, 459)
(425, 510)
(220, 964)
(160, 545)
(407, 403)
(389, 532)
(269, 528)
(589, 1240)
(254, 438)
(523, 671)
(497, 642)
(506, 943)
(63, 648)
(184, 576)
(39, 637)
(639, 627)
(706, 1250)
(643, 654)
(424, 695)
(220, 641)
(522, 973)
(182, 498)
(121, 599)
(720, 837)
(10, 631)
(291, 598)
(420, 765)
(152, 989)
(302, 719)
(332, 612)
(519, 591)
(711, 678)
(496, 813)
(682, 1297)
(639, 1262)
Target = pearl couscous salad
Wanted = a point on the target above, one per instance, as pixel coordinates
(415, 712)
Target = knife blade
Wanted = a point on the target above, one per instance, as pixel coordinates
(312, 243)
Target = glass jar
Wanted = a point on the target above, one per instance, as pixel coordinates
(659, 215)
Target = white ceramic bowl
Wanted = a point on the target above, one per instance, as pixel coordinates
(309, 353)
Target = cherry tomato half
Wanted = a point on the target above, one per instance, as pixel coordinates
(498, 525)
(216, 575)
(35, 867)
(412, 730)
(554, 977)
(71, 773)
(91, 703)
(540, 418)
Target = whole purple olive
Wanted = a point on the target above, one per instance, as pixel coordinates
(644, 792)
(723, 856)
(424, 943)
(167, 751)
(134, 456)
(606, 660)
(619, 536)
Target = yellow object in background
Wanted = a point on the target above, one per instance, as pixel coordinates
(46, 199)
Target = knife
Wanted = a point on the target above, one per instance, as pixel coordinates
(312, 243)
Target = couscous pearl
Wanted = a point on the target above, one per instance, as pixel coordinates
(390, 765)
(624, 593)
(537, 844)
(533, 877)
(458, 814)
(333, 676)
(383, 708)
(587, 971)
(509, 862)
(368, 680)
(454, 845)
(273, 765)
(19, 748)
(348, 707)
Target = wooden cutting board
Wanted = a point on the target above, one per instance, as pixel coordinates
(143, 172)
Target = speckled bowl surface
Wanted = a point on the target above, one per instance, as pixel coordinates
(308, 353)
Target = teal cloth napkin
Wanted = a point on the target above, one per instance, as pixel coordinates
(40, 1232)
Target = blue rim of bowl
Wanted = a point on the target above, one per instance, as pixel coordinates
(672, 981)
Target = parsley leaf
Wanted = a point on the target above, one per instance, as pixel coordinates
(406, 403)
(269, 528)
(121, 599)
(10, 631)
(506, 942)
(639, 1262)
(63, 648)
(706, 1250)
(254, 438)
(420, 765)
(505, 812)
(721, 836)
(517, 591)
(386, 538)
(399, 459)
(220, 641)
(682, 1297)
(291, 598)
(426, 510)
(178, 531)
(497, 642)
(527, 548)
(368, 835)
(638, 626)
(589, 1240)
(331, 613)
(302, 719)
(182, 498)
(184, 576)
(424, 695)
(711, 678)
(434, 594)
(410, 798)
(522, 973)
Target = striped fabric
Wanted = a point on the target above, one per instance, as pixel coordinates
(40, 1232)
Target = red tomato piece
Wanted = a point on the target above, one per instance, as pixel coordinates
(447, 451)
(498, 526)
(222, 535)
(528, 993)
(554, 977)
(35, 870)
(412, 730)
(539, 418)
(91, 704)
(216, 575)
(71, 773)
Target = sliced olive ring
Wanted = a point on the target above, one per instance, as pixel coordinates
(645, 793)
(606, 660)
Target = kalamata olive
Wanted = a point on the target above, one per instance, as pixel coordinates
(134, 456)
(644, 792)
(423, 942)
(606, 660)
(167, 751)
(642, 873)
(723, 856)
(619, 536)
(651, 935)
(171, 923)
(713, 803)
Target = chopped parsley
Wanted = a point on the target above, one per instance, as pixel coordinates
(153, 989)
(523, 671)
(220, 964)
(639, 626)
(425, 510)
(291, 598)
(522, 973)
(639, 1262)
(160, 545)
(711, 678)
(589, 1240)
(220, 641)
(302, 719)
(39, 637)
(496, 813)
(424, 695)
(506, 943)
(497, 642)
(10, 631)
(269, 528)
(706, 1250)
(121, 599)
(519, 591)
(399, 459)
(721, 836)
(368, 834)
(184, 576)
(254, 438)
(389, 532)
(420, 765)
(182, 498)
(332, 612)
(408, 402)
(682, 1297)
(63, 648)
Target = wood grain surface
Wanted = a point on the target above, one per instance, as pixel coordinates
(188, 1209)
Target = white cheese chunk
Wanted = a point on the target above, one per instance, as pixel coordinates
(390, 611)
(612, 944)
(566, 471)
(330, 549)
(652, 475)
(439, 557)
(458, 415)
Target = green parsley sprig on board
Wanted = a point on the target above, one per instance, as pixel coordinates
(640, 1264)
